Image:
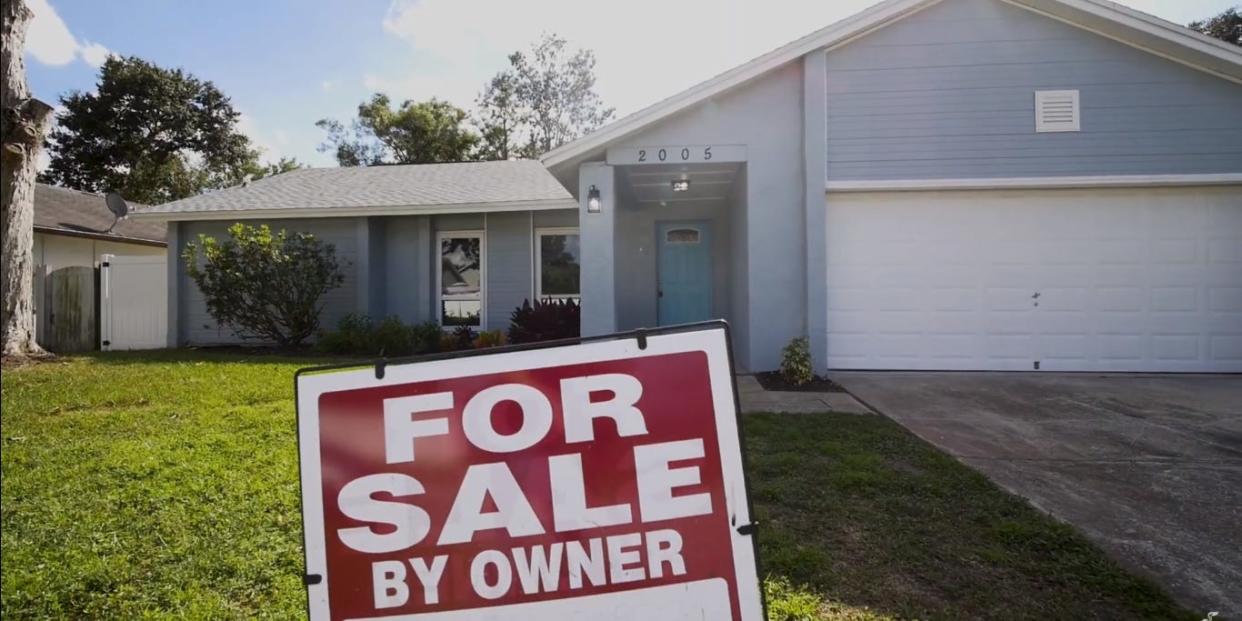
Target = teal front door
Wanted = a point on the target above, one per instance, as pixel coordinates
(685, 278)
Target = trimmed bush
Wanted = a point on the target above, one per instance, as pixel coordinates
(359, 335)
(265, 285)
(545, 321)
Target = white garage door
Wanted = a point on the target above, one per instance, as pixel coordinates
(1072, 280)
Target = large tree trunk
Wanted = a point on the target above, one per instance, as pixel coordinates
(23, 123)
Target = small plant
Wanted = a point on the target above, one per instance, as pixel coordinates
(265, 285)
(426, 337)
(490, 338)
(788, 603)
(351, 336)
(796, 362)
(463, 337)
(546, 320)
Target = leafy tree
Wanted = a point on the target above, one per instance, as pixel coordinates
(544, 99)
(1227, 26)
(150, 133)
(500, 118)
(422, 132)
(283, 165)
(265, 285)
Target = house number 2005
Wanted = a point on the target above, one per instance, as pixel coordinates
(663, 154)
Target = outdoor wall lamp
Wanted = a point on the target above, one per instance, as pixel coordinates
(681, 185)
(593, 204)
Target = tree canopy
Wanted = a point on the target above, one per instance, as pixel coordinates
(150, 133)
(423, 132)
(1227, 26)
(545, 98)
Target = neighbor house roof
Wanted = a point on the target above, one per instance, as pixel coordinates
(417, 188)
(1102, 17)
(61, 211)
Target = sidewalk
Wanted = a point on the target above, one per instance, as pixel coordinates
(755, 399)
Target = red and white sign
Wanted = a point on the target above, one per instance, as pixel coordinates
(596, 481)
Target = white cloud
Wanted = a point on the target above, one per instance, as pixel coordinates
(649, 50)
(94, 54)
(49, 40)
(272, 145)
(327, 85)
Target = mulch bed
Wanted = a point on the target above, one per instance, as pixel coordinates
(772, 380)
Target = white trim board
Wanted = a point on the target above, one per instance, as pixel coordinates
(1016, 183)
(344, 212)
(1146, 32)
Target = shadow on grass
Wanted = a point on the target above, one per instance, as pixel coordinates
(881, 525)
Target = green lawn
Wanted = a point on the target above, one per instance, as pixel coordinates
(166, 485)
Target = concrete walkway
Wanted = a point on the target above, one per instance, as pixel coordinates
(755, 399)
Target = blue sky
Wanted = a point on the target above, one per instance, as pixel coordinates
(288, 63)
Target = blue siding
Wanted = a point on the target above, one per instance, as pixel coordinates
(409, 279)
(949, 93)
(509, 265)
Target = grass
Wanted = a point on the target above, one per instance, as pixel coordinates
(165, 485)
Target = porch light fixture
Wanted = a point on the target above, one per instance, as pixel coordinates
(593, 204)
(681, 185)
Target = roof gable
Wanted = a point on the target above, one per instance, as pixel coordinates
(1102, 17)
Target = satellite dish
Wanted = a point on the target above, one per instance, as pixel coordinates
(118, 207)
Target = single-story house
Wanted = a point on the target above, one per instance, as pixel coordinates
(929, 184)
(75, 229)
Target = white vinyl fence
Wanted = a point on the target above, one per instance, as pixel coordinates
(133, 306)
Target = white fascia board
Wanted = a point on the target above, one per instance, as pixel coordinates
(1145, 32)
(346, 212)
(848, 28)
(1018, 183)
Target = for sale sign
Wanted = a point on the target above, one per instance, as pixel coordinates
(598, 481)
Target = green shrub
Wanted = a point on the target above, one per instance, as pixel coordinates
(264, 285)
(426, 337)
(359, 335)
(787, 603)
(796, 362)
(545, 321)
(351, 336)
(462, 338)
(490, 338)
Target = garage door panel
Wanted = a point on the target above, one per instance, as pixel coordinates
(1077, 280)
(1227, 348)
(1176, 347)
(962, 299)
(1175, 299)
(1225, 299)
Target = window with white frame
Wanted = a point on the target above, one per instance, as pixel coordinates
(557, 264)
(461, 278)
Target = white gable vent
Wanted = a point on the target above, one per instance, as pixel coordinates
(1056, 111)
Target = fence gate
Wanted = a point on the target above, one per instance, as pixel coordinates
(133, 306)
(70, 296)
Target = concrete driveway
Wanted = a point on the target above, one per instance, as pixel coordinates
(1148, 466)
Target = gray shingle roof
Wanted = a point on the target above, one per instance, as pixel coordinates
(71, 212)
(413, 186)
